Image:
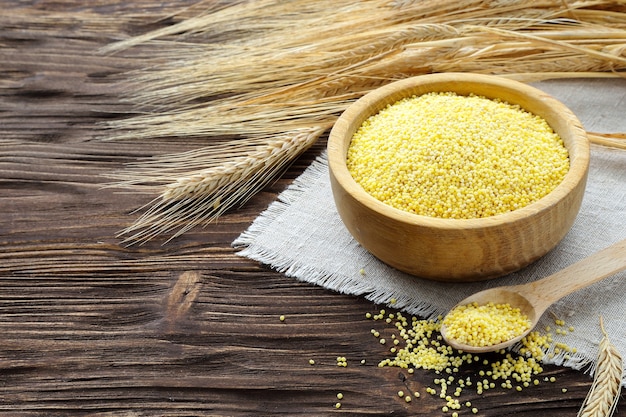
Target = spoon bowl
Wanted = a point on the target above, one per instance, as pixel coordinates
(534, 298)
(499, 295)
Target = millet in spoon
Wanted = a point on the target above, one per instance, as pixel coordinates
(523, 303)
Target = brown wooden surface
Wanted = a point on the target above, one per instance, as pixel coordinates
(90, 327)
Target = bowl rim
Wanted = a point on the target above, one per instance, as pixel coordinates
(336, 156)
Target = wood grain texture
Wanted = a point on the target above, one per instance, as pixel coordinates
(90, 327)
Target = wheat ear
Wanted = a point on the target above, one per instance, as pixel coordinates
(605, 390)
(209, 181)
(202, 197)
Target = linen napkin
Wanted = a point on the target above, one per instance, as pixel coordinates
(302, 236)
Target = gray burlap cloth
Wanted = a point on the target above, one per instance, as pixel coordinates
(302, 236)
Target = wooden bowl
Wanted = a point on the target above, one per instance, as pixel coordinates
(459, 249)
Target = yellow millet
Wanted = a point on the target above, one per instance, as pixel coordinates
(342, 361)
(485, 325)
(451, 156)
(421, 347)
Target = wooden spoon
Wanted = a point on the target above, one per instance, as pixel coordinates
(535, 297)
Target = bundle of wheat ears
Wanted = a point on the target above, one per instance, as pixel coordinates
(263, 80)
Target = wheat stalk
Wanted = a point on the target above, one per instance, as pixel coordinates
(203, 196)
(257, 69)
(611, 140)
(603, 396)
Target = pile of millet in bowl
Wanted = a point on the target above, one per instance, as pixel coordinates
(452, 156)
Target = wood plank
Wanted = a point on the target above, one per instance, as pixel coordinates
(91, 327)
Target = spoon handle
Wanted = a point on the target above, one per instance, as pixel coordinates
(592, 269)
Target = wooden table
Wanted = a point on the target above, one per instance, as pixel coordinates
(90, 327)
